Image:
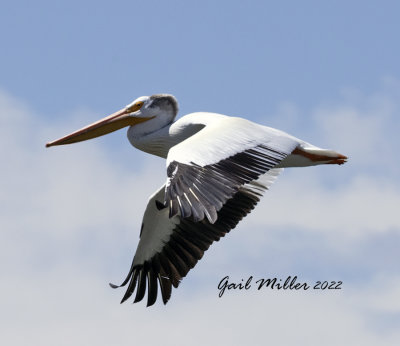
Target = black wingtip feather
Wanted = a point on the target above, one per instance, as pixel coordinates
(165, 287)
(132, 285)
(152, 284)
(141, 290)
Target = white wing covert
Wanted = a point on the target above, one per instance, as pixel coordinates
(207, 169)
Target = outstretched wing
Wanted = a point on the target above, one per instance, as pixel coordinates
(170, 247)
(207, 169)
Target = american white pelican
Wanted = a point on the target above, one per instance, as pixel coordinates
(217, 169)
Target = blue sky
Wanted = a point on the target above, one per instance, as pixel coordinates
(62, 55)
(328, 73)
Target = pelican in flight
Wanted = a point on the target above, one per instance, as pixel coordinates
(218, 167)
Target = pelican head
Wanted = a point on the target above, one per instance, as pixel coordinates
(141, 112)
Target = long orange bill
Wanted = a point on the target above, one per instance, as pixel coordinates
(106, 125)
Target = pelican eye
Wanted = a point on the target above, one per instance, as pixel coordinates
(135, 107)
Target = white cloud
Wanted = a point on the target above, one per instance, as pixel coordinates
(83, 311)
(70, 219)
(359, 197)
(362, 204)
(65, 196)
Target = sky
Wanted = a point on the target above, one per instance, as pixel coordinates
(70, 216)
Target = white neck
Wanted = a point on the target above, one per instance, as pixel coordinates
(156, 143)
